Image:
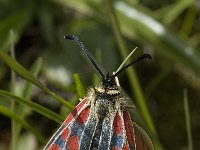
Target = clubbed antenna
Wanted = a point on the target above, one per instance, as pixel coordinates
(80, 43)
(142, 57)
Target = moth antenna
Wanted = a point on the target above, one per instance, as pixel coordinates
(122, 64)
(142, 57)
(85, 50)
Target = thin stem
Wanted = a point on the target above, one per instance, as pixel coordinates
(134, 82)
(125, 60)
(13, 83)
(187, 120)
(135, 85)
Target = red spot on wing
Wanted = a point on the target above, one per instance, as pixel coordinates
(73, 143)
(118, 129)
(83, 117)
(129, 129)
(65, 133)
(125, 147)
(54, 147)
(74, 112)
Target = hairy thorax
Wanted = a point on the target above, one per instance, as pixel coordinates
(106, 101)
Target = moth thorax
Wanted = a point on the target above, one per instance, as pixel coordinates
(112, 91)
(104, 106)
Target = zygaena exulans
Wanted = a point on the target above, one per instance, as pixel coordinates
(101, 120)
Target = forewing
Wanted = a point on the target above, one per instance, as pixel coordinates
(119, 138)
(129, 128)
(66, 131)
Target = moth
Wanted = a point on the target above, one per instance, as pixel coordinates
(101, 120)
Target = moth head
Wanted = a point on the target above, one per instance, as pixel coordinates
(109, 86)
(109, 81)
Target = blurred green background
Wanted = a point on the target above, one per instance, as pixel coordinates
(168, 30)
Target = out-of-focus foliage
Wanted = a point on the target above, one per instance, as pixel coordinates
(168, 30)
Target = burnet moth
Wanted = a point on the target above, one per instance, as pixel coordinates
(101, 120)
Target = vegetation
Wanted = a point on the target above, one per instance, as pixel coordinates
(165, 91)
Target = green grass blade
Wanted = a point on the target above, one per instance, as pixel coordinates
(36, 107)
(63, 101)
(187, 120)
(23, 110)
(131, 72)
(19, 69)
(35, 69)
(135, 85)
(5, 111)
(13, 84)
(22, 71)
(176, 9)
(135, 24)
(79, 85)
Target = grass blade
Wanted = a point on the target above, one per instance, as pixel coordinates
(131, 72)
(35, 70)
(135, 85)
(134, 23)
(79, 85)
(187, 120)
(36, 107)
(19, 69)
(12, 89)
(5, 111)
(23, 110)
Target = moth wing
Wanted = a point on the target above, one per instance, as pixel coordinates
(143, 141)
(58, 140)
(129, 128)
(119, 138)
